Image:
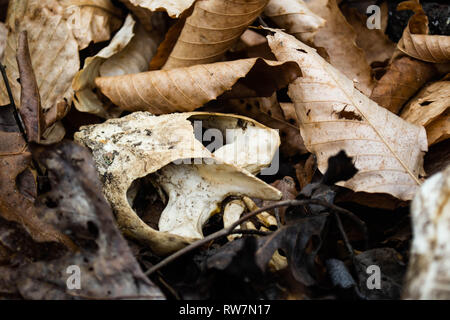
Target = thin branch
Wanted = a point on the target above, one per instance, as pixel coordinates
(227, 231)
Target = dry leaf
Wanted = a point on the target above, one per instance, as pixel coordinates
(339, 40)
(186, 89)
(388, 151)
(174, 8)
(430, 108)
(375, 43)
(48, 32)
(416, 42)
(295, 17)
(428, 274)
(91, 20)
(403, 77)
(137, 145)
(213, 27)
(3, 36)
(305, 170)
(128, 52)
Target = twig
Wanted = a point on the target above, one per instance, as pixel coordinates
(226, 231)
(249, 231)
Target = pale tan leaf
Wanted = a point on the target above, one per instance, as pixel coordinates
(91, 20)
(213, 27)
(429, 108)
(173, 7)
(339, 40)
(417, 43)
(129, 52)
(428, 275)
(295, 17)
(388, 151)
(48, 32)
(3, 36)
(186, 89)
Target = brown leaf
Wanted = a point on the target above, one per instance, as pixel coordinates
(416, 42)
(430, 108)
(186, 89)
(304, 171)
(76, 206)
(212, 29)
(48, 32)
(338, 38)
(3, 36)
(30, 101)
(403, 77)
(15, 158)
(388, 151)
(375, 43)
(174, 8)
(295, 17)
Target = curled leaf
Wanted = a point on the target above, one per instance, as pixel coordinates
(213, 27)
(388, 151)
(186, 89)
(430, 108)
(173, 7)
(295, 17)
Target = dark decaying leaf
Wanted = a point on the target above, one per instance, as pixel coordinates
(76, 207)
(300, 242)
(392, 270)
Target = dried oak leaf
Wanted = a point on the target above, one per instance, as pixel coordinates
(48, 32)
(186, 89)
(174, 8)
(416, 42)
(388, 151)
(295, 17)
(91, 20)
(75, 206)
(428, 275)
(128, 52)
(430, 108)
(339, 40)
(212, 29)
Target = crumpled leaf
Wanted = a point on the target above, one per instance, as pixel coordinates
(48, 32)
(430, 108)
(91, 20)
(173, 7)
(137, 145)
(3, 36)
(388, 151)
(76, 207)
(186, 89)
(128, 52)
(403, 77)
(295, 17)
(416, 42)
(428, 274)
(213, 27)
(339, 40)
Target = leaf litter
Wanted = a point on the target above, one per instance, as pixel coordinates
(223, 150)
